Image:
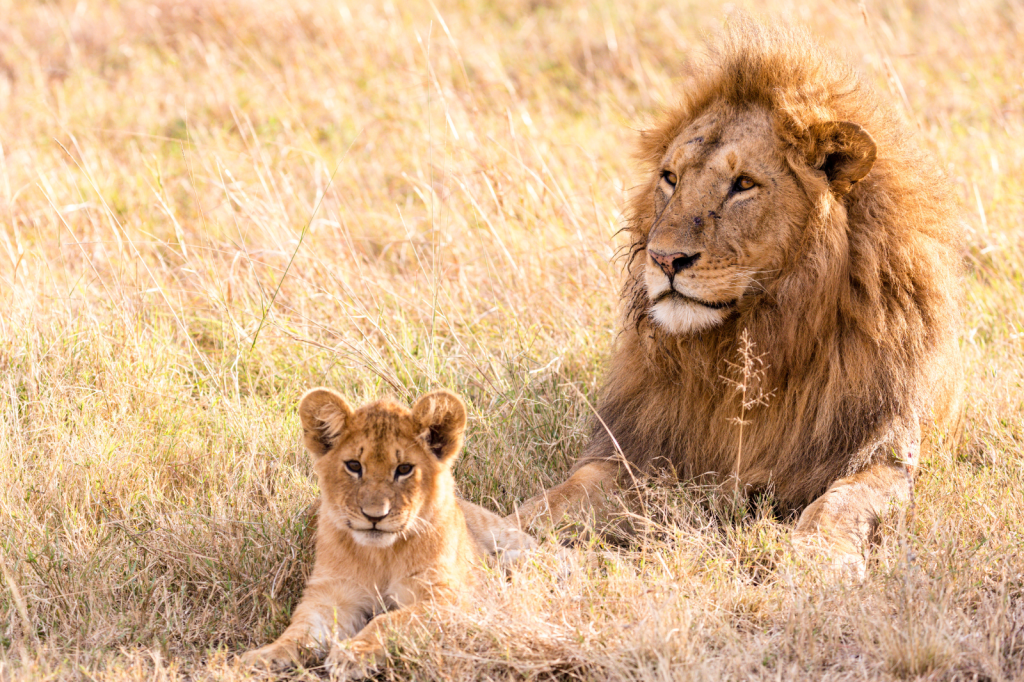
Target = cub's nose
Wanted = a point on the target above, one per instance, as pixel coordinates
(674, 263)
(374, 515)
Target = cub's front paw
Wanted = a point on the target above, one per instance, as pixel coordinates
(274, 657)
(354, 660)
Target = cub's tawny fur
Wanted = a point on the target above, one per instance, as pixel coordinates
(783, 199)
(391, 533)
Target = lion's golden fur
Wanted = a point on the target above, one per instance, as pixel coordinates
(858, 327)
(391, 532)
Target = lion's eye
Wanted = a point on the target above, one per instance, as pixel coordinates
(354, 466)
(742, 184)
(403, 470)
(669, 177)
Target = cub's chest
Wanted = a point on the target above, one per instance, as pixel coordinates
(387, 583)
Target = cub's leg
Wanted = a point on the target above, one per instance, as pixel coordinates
(839, 524)
(587, 488)
(362, 655)
(315, 624)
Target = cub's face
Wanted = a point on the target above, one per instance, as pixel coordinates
(726, 207)
(382, 467)
(731, 203)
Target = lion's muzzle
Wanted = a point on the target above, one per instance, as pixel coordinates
(673, 263)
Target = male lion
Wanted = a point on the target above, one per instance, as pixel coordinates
(391, 532)
(783, 201)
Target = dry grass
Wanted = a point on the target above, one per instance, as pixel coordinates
(208, 206)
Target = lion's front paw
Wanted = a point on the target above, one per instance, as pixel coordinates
(528, 517)
(541, 517)
(840, 560)
(354, 660)
(274, 657)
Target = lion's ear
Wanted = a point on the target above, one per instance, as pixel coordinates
(845, 152)
(441, 418)
(324, 415)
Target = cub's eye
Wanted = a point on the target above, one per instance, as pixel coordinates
(742, 184)
(669, 177)
(354, 466)
(403, 470)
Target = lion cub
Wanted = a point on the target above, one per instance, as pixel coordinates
(391, 532)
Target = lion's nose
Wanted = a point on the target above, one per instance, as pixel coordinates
(375, 515)
(674, 263)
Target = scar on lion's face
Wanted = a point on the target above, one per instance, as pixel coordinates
(724, 202)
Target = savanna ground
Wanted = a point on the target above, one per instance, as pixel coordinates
(208, 207)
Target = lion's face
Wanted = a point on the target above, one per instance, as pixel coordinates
(727, 208)
(377, 480)
(381, 467)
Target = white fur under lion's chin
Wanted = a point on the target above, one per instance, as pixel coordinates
(679, 316)
(329, 513)
(377, 539)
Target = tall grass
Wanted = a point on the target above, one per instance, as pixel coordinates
(208, 207)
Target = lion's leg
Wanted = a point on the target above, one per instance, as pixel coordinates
(315, 623)
(363, 654)
(587, 489)
(494, 535)
(840, 523)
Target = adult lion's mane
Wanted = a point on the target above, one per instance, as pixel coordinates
(858, 328)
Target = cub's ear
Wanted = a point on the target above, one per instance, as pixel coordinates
(441, 416)
(844, 151)
(324, 415)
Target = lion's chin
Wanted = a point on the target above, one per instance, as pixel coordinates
(680, 316)
(374, 538)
